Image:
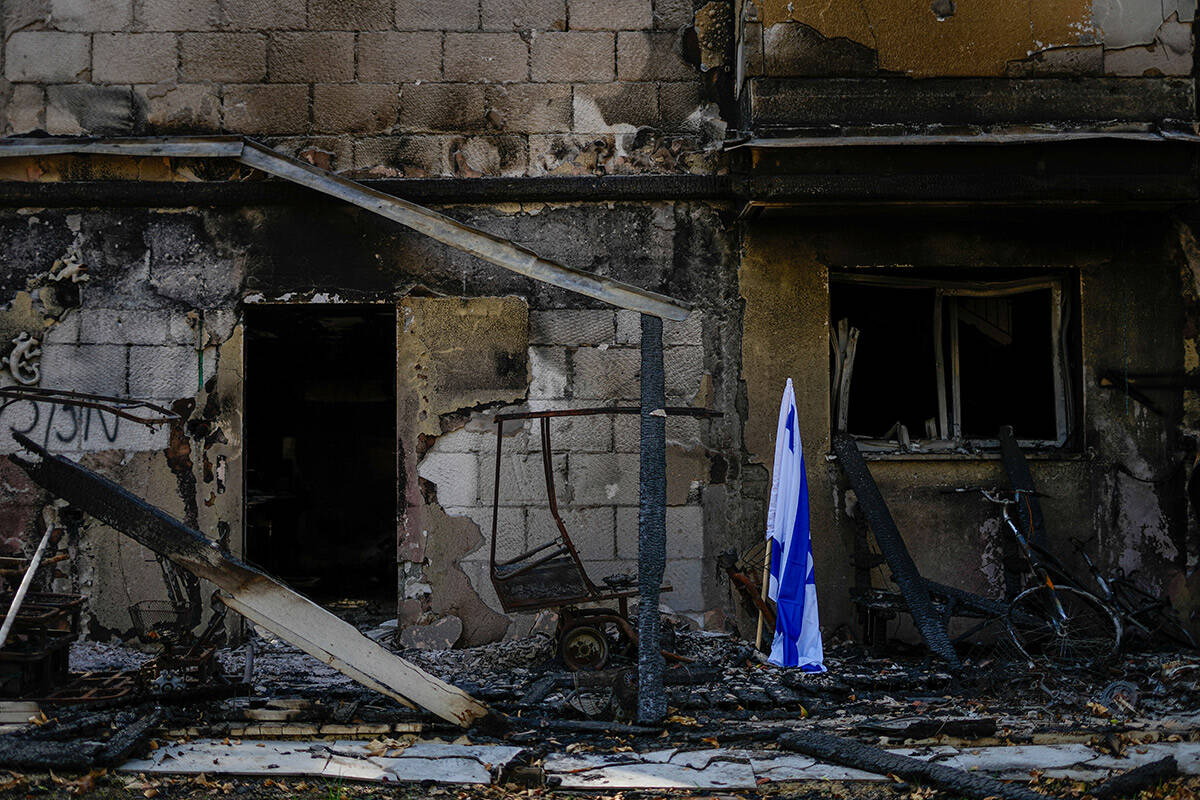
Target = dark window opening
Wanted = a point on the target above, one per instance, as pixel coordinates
(320, 451)
(927, 364)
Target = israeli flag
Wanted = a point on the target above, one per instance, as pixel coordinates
(793, 587)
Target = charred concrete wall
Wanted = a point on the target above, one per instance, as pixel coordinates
(159, 317)
(1123, 480)
(463, 87)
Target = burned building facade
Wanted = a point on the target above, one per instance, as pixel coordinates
(994, 203)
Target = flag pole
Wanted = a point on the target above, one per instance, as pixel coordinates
(766, 582)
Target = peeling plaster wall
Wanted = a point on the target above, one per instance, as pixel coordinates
(1125, 481)
(945, 38)
(154, 320)
(472, 338)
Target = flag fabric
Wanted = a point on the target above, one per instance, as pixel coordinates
(793, 587)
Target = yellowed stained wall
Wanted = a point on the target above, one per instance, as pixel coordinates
(979, 38)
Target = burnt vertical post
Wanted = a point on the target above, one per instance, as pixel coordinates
(652, 523)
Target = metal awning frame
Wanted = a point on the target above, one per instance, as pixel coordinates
(489, 247)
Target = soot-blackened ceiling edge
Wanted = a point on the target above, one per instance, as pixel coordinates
(448, 231)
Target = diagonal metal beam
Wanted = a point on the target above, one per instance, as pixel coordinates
(448, 231)
(453, 233)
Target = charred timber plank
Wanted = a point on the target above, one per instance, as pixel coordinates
(32, 754)
(851, 753)
(128, 739)
(259, 597)
(929, 622)
(1135, 780)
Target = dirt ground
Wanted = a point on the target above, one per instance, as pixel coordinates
(111, 786)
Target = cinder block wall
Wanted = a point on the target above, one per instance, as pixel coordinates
(388, 87)
(583, 358)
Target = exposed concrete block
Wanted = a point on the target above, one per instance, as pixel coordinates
(479, 436)
(475, 156)
(651, 56)
(586, 434)
(571, 328)
(548, 373)
(117, 326)
(575, 56)
(311, 57)
(66, 331)
(510, 530)
(529, 108)
(266, 108)
(522, 478)
(603, 479)
(46, 57)
(354, 107)
(515, 15)
(678, 104)
(681, 431)
(686, 578)
(411, 156)
(607, 374)
(261, 15)
(87, 108)
(400, 57)
(602, 107)
(456, 476)
(591, 530)
(673, 14)
(683, 367)
(168, 371)
(26, 109)
(90, 16)
(180, 106)
(232, 57)
(611, 15)
(436, 15)
(688, 331)
(1123, 23)
(752, 49)
(685, 532)
(485, 57)
(218, 326)
(178, 15)
(350, 15)
(441, 107)
(92, 368)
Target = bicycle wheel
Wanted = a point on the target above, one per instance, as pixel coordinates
(1087, 634)
(1153, 614)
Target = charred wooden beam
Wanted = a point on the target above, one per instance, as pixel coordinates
(852, 753)
(1128, 784)
(255, 595)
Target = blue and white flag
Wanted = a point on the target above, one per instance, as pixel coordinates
(793, 587)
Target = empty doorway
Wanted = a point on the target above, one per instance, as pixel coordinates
(321, 452)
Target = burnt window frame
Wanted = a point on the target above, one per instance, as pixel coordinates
(1063, 291)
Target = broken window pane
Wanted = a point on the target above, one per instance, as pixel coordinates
(932, 363)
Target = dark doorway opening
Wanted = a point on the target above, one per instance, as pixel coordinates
(320, 452)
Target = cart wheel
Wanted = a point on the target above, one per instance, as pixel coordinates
(584, 647)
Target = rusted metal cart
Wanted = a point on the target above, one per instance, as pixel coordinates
(552, 575)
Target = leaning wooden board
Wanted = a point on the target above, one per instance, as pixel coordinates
(253, 594)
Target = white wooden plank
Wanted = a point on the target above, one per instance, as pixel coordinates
(350, 760)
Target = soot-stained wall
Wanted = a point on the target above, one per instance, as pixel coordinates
(158, 316)
(1122, 479)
